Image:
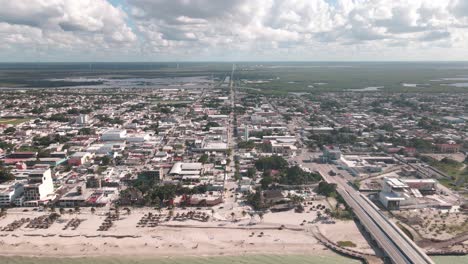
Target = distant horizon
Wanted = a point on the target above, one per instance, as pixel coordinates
(240, 61)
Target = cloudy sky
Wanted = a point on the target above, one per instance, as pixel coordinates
(238, 30)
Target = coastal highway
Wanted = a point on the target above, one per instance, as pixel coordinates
(396, 245)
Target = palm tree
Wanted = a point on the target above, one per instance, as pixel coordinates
(296, 199)
(244, 213)
(62, 210)
(261, 216)
(233, 215)
(117, 211)
(251, 214)
(93, 210)
(77, 209)
(3, 212)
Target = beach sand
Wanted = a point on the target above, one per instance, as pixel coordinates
(218, 237)
(249, 259)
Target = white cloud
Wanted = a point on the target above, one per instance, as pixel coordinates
(63, 25)
(238, 29)
(253, 26)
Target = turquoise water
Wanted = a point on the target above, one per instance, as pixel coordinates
(451, 259)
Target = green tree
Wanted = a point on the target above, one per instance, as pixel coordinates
(326, 189)
(203, 159)
(296, 176)
(6, 175)
(246, 144)
(271, 163)
(86, 131)
(6, 146)
(9, 130)
(251, 172)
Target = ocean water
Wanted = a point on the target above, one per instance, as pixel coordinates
(451, 259)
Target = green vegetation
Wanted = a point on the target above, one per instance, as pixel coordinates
(173, 103)
(86, 131)
(6, 175)
(246, 144)
(28, 148)
(449, 166)
(47, 140)
(9, 130)
(104, 160)
(251, 172)
(296, 176)
(326, 189)
(13, 121)
(106, 119)
(152, 193)
(405, 230)
(346, 244)
(331, 139)
(203, 159)
(255, 200)
(5, 145)
(429, 124)
(76, 111)
(457, 171)
(286, 175)
(59, 118)
(339, 77)
(209, 125)
(271, 163)
(329, 190)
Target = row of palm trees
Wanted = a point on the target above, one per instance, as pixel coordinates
(251, 214)
(77, 210)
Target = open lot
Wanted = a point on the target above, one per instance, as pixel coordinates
(13, 121)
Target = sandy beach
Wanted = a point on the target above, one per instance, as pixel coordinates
(217, 237)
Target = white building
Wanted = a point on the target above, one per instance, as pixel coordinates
(9, 192)
(283, 148)
(138, 138)
(82, 119)
(246, 133)
(39, 188)
(187, 171)
(114, 135)
(393, 193)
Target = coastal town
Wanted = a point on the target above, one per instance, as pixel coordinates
(210, 166)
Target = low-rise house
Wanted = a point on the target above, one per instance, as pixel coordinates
(79, 158)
